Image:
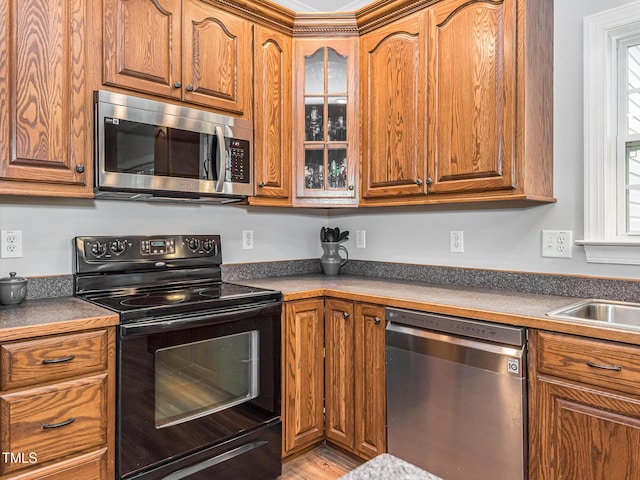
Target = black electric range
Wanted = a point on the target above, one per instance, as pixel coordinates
(198, 360)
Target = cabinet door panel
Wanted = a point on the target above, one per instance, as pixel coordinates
(339, 371)
(142, 45)
(370, 388)
(44, 118)
(216, 52)
(303, 400)
(587, 434)
(393, 109)
(272, 87)
(472, 95)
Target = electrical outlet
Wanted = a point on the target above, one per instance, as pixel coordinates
(247, 239)
(557, 243)
(361, 239)
(11, 244)
(456, 241)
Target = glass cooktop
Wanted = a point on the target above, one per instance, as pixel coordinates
(136, 304)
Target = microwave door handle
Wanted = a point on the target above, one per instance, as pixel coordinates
(222, 153)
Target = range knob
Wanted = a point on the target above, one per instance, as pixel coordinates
(117, 247)
(209, 245)
(193, 244)
(99, 249)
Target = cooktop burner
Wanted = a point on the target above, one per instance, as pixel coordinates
(149, 300)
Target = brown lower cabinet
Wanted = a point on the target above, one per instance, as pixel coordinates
(334, 363)
(584, 408)
(57, 407)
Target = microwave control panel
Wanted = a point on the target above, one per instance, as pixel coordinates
(238, 161)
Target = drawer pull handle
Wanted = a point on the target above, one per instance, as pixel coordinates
(48, 361)
(47, 426)
(617, 368)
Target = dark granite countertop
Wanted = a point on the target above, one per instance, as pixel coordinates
(37, 317)
(388, 467)
(502, 306)
(49, 316)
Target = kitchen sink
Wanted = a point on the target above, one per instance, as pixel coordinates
(601, 311)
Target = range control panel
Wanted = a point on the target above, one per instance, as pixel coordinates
(97, 253)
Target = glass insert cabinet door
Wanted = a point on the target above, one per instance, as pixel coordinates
(326, 129)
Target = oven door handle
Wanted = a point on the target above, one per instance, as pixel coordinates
(202, 319)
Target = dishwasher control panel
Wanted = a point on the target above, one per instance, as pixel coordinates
(466, 327)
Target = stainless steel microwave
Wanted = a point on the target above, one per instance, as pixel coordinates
(148, 150)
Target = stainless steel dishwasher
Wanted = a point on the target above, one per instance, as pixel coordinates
(456, 395)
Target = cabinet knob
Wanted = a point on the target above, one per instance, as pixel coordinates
(261, 184)
(189, 88)
(80, 168)
(418, 182)
(345, 315)
(429, 181)
(376, 320)
(177, 85)
(351, 187)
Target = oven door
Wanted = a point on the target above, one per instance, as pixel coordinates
(187, 383)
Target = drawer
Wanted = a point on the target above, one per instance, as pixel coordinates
(611, 365)
(90, 466)
(49, 359)
(54, 421)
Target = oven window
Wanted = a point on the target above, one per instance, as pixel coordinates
(196, 379)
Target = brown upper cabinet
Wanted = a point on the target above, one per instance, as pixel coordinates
(410, 102)
(272, 116)
(393, 111)
(326, 121)
(472, 96)
(183, 49)
(45, 119)
(457, 104)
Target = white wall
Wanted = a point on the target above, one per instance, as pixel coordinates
(505, 239)
(496, 239)
(48, 225)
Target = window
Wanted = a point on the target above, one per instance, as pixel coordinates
(628, 138)
(612, 135)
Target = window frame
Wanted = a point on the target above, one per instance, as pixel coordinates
(603, 33)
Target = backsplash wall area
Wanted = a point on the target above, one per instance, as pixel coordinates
(48, 225)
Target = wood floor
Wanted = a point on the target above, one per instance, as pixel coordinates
(321, 463)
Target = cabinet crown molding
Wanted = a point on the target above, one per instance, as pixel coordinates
(325, 24)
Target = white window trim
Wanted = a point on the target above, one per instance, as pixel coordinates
(602, 32)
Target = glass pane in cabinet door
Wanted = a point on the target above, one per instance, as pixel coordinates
(314, 72)
(313, 125)
(337, 168)
(336, 72)
(314, 169)
(337, 119)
